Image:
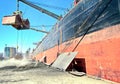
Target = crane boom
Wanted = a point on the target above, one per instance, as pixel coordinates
(39, 30)
(41, 9)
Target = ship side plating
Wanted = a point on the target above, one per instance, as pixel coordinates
(92, 28)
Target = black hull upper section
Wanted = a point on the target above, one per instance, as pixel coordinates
(88, 16)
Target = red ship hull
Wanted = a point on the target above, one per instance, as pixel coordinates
(98, 53)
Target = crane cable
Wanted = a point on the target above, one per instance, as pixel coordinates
(85, 22)
(17, 5)
(83, 25)
(49, 6)
(17, 9)
(17, 30)
(17, 40)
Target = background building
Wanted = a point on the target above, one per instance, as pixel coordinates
(1, 56)
(9, 52)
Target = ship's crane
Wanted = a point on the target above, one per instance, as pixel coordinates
(42, 9)
(19, 23)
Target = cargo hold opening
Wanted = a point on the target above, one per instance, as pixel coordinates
(78, 64)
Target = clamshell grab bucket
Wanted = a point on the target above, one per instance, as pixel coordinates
(16, 21)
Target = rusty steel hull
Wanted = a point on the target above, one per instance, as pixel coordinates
(91, 28)
(100, 50)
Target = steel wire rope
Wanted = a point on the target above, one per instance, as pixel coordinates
(21, 41)
(17, 41)
(92, 23)
(17, 8)
(49, 6)
(85, 22)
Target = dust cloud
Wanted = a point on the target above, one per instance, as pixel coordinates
(14, 62)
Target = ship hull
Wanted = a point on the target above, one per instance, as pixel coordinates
(98, 51)
(92, 29)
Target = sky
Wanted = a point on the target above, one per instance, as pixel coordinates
(24, 39)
